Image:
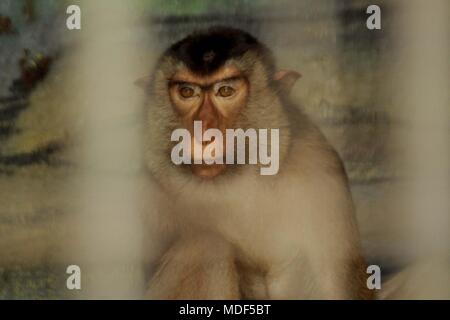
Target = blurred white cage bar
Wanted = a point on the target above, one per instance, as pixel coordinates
(109, 229)
(427, 108)
(422, 37)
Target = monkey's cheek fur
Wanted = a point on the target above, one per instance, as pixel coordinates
(206, 171)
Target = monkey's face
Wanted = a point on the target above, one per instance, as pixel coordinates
(224, 78)
(215, 100)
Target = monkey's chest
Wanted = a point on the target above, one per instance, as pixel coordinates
(259, 228)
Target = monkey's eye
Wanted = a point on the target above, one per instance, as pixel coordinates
(187, 92)
(226, 91)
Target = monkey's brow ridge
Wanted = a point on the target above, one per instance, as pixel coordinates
(206, 86)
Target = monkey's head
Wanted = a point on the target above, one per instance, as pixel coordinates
(226, 79)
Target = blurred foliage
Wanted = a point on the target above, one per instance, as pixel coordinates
(195, 7)
(17, 9)
(14, 8)
(179, 7)
(34, 283)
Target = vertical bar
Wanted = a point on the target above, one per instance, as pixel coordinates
(423, 38)
(109, 227)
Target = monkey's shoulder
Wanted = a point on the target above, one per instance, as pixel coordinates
(311, 154)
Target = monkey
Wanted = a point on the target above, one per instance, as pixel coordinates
(230, 232)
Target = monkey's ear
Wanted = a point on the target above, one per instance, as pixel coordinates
(286, 79)
(143, 82)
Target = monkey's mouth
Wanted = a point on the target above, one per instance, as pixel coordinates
(212, 163)
(208, 171)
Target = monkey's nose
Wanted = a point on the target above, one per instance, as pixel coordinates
(199, 140)
(208, 123)
(208, 115)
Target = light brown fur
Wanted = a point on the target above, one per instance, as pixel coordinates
(288, 236)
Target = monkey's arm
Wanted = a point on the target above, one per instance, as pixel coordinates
(196, 268)
(336, 262)
(329, 263)
(335, 281)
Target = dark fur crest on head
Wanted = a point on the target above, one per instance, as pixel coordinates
(206, 51)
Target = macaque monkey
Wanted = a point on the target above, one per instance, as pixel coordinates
(231, 232)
